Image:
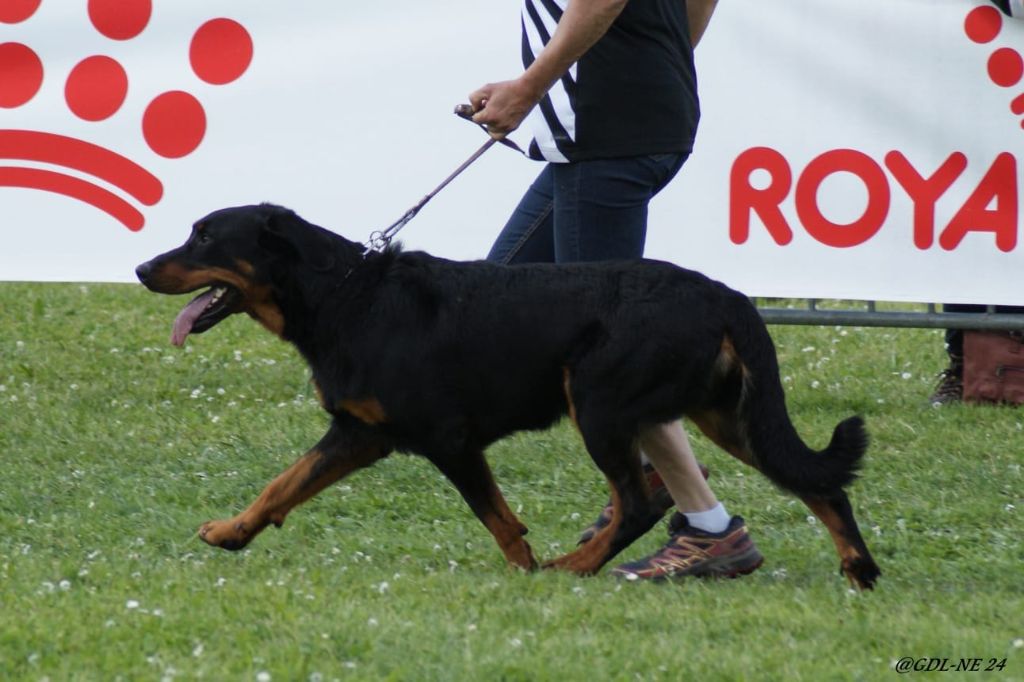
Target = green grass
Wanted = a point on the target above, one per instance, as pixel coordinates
(116, 447)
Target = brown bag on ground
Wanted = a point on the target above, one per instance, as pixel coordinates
(994, 367)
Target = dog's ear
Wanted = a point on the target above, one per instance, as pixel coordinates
(286, 234)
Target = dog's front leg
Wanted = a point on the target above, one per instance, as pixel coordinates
(338, 454)
(473, 479)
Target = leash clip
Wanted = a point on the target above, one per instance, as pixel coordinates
(381, 239)
(377, 242)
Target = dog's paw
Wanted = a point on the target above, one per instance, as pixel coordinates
(231, 534)
(862, 573)
(579, 562)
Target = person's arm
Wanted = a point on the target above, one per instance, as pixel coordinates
(699, 12)
(503, 106)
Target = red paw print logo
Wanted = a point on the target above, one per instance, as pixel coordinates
(1005, 65)
(173, 124)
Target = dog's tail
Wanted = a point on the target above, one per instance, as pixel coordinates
(774, 445)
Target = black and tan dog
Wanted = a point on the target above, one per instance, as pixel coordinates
(438, 358)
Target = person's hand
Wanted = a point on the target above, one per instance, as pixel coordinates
(501, 107)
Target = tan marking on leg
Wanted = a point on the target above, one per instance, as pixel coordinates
(848, 554)
(729, 359)
(475, 482)
(592, 555)
(723, 433)
(567, 388)
(366, 410)
(304, 479)
(508, 533)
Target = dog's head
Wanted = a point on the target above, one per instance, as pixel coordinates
(241, 257)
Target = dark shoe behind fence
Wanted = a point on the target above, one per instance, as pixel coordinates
(950, 388)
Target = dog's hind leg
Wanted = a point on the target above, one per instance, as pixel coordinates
(615, 450)
(856, 562)
(834, 510)
(632, 511)
(337, 455)
(472, 477)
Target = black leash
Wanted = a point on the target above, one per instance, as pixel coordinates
(380, 239)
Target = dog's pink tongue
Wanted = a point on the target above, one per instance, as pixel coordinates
(188, 316)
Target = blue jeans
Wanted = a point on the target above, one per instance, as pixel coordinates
(585, 211)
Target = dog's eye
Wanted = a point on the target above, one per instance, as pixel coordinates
(202, 237)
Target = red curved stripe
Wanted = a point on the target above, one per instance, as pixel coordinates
(31, 145)
(49, 181)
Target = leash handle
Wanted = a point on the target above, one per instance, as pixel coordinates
(465, 111)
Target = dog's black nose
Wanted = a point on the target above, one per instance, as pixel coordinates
(143, 271)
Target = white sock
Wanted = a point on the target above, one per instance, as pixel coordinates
(714, 520)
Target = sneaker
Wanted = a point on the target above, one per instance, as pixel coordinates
(661, 498)
(950, 388)
(691, 551)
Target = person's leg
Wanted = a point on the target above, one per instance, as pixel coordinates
(668, 449)
(703, 539)
(528, 236)
(600, 213)
(600, 206)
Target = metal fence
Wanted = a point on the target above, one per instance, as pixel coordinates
(868, 314)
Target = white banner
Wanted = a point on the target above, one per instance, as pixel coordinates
(863, 150)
